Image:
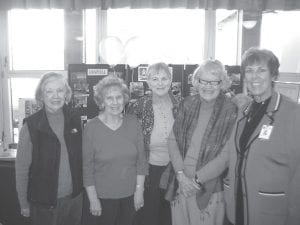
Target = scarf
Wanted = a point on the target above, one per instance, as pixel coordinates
(215, 136)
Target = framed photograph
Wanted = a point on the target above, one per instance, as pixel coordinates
(136, 89)
(142, 73)
(80, 100)
(79, 82)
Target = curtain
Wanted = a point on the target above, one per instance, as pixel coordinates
(189, 4)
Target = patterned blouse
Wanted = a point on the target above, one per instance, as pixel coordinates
(143, 109)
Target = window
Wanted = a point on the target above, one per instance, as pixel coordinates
(280, 33)
(226, 49)
(21, 90)
(164, 33)
(176, 36)
(36, 44)
(90, 33)
(36, 39)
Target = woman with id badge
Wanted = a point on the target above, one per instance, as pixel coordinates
(263, 181)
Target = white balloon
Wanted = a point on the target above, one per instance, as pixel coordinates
(111, 50)
(135, 51)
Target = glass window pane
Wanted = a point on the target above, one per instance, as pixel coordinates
(226, 36)
(90, 36)
(169, 35)
(280, 33)
(36, 39)
(21, 90)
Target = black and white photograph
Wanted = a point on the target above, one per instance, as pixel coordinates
(151, 112)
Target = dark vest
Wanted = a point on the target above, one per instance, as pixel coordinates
(44, 169)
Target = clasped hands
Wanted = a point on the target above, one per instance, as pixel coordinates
(187, 186)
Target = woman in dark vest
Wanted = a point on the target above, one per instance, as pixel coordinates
(49, 159)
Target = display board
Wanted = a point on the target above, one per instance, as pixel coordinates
(83, 77)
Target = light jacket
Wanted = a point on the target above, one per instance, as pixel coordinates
(271, 167)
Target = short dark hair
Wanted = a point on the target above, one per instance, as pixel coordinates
(256, 55)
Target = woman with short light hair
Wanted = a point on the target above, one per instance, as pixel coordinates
(49, 159)
(201, 129)
(156, 113)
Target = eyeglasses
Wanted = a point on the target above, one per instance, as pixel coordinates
(213, 83)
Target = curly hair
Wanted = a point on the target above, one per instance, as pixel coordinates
(105, 84)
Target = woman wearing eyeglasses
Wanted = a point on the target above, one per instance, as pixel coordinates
(202, 127)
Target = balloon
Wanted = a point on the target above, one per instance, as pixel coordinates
(135, 51)
(111, 50)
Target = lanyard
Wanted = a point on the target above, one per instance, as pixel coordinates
(269, 114)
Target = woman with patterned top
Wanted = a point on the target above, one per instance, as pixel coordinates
(201, 129)
(114, 162)
(156, 113)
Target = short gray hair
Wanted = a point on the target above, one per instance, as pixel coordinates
(107, 82)
(44, 80)
(157, 68)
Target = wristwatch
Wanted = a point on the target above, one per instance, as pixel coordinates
(179, 172)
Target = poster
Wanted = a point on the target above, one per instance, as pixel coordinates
(136, 90)
(142, 73)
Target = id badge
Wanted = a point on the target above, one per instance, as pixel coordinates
(265, 132)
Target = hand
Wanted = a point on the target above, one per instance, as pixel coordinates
(138, 198)
(188, 186)
(95, 207)
(25, 212)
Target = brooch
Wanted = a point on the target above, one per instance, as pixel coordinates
(74, 131)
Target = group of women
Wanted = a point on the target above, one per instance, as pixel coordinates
(158, 161)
